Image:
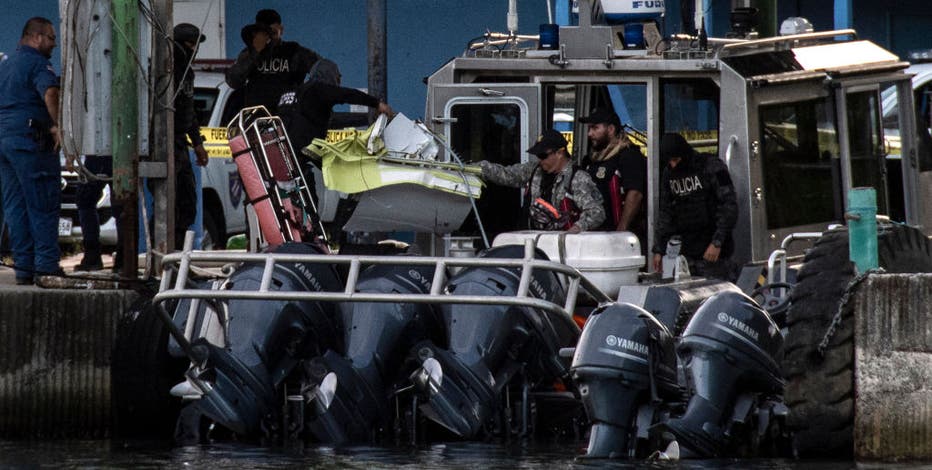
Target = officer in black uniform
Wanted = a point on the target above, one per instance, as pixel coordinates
(268, 66)
(186, 38)
(697, 204)
(619, 170)
(306, 111)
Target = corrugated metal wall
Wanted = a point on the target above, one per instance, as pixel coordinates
(55, 348)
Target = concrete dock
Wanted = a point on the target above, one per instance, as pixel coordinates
(55, 356)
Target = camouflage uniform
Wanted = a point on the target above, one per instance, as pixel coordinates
(583, 191)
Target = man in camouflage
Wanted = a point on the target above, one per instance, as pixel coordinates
(557, 197)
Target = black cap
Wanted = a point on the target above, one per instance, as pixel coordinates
(602, 116)
(268, 17)
(549, 141)
(249, 31)
(185, 32)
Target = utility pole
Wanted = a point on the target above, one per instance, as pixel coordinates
(162, 181)
(378, 50)
(125, 124)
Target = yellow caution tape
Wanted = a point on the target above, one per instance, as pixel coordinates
(217, 145)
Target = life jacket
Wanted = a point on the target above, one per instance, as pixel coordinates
(544, 214)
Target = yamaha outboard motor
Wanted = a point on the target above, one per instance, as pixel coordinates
(265, 340)
(624, 364)
(490, 344)
(350, 394)
(731, 350)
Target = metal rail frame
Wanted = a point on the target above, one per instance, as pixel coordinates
(176, 268)
(250, 122)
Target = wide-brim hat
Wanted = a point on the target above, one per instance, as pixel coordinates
(249, 31)
(187, 32)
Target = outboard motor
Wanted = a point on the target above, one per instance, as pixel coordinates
(490, 344)
(265, 340)
(624, 364)
(349, 393)
(731, 350)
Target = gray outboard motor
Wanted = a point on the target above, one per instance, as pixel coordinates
(731, 350)
(490, 344)
(265, 341)
(624, 365)
(350, 394)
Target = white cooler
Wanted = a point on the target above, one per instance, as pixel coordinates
(607, 259)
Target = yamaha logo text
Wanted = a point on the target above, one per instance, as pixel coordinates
(626, 344)
(737, 325)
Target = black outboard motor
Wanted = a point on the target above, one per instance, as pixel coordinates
(490, 344)
(349, 392)
(624, 364)
(265, 340)
(731, 348)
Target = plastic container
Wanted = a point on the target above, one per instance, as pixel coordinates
(607, 259)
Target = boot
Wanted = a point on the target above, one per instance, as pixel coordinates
(90, 262)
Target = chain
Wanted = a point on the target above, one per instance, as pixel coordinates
(836, 320)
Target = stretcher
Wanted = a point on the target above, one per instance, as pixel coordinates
(273, 179)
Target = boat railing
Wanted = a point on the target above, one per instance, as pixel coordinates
(177, 271)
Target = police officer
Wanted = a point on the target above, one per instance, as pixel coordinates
(268, 66)
(619, 170)
(558, 196)
(30, 169)
(186, 39)
(697, 204)
(306, 111)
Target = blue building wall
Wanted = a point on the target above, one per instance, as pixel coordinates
(423, 34)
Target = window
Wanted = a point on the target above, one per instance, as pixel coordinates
(866, 143)
(801, 169)
(204, 101)
(490, 131)
(690, 108)
(487, 131)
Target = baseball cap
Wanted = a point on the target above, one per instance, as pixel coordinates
(602, 116)
(549, 140)
(185, 32)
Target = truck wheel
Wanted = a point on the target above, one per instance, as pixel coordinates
(142, 373)
(820, 390)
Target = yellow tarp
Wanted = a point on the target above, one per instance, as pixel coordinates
(347, 167)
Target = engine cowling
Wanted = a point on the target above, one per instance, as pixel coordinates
(625, 360)
(730, 347)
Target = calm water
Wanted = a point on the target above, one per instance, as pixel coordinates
(113, 454)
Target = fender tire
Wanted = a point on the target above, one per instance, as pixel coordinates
(142, 373)
(820, 391)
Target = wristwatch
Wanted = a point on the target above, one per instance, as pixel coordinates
(717, 243)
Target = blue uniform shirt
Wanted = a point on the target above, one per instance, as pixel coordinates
(24, 77)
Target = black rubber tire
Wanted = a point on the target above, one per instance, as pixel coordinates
(820, 390)
(142, 373)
